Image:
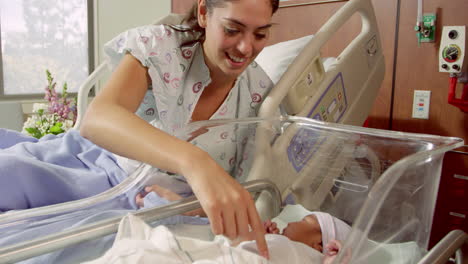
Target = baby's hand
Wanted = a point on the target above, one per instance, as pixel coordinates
(270, 227)
(333, 247)
(140, 198)
(162, 192)
(331, 250)
(166, 194)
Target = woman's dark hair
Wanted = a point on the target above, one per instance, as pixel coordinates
(191, 18)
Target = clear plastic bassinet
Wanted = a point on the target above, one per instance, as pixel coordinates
(383, 183)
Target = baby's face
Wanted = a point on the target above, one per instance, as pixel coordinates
(306, 231)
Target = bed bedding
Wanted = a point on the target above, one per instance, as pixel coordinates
(53, 169)
(40, 227)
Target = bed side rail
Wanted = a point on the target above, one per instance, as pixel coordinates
(447, 247)
(36, 247)
(85, 88)
(361, 66)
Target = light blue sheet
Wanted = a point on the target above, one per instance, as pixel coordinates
(57, 169)
(52, 170)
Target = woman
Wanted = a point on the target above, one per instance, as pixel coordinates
(201, 73)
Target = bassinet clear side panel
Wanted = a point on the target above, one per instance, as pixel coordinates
(397, 229)
(93, 248)
(382, 183)
(22, 226)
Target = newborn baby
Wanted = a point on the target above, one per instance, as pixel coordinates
(301, 240)
(315, 229)
(137, 242)
(318, 230)
(292, 237)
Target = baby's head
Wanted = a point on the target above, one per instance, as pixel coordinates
(315, 229)
(306, 231)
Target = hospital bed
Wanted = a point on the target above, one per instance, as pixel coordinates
(383, 183)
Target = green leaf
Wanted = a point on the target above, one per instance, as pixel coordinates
(56, 129)
(34, 132)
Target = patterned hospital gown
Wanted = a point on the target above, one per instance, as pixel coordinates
(178, 76)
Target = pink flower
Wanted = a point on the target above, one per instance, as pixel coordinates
(59, 104)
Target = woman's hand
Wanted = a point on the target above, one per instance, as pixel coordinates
(228, 205)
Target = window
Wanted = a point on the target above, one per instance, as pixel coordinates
(36, 35)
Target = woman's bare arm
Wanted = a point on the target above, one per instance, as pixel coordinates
(111, 123)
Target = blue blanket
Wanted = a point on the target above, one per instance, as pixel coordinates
(58, 169)
(53, 169)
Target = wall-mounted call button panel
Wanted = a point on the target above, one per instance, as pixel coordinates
(421, 103)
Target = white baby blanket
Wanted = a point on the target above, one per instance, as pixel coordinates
(137, 242)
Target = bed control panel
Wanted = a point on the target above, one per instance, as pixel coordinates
(332, 104)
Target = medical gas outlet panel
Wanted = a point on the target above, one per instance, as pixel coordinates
(452, 49)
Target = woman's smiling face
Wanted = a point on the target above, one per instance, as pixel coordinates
(235, 33)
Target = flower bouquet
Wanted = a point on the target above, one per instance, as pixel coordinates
(56, 116)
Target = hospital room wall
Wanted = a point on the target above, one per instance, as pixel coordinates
(417, 69)
(408, 67)
(295, 22)
(116, 16)
(302, 20)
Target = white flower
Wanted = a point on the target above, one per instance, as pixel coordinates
(67, 125)
(40, 106)
(30, 122)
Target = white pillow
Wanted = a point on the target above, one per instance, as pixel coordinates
(275, 59)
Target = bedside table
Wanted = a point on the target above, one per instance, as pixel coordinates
(451, 210)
